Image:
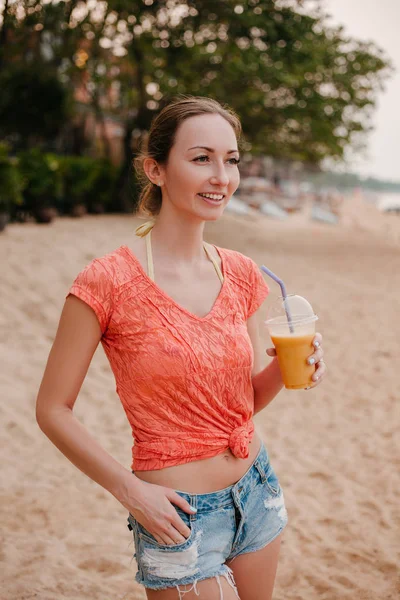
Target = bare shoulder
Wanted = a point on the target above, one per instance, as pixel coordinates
(137, 246)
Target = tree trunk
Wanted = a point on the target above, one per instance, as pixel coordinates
(3, 33)
(127, 187)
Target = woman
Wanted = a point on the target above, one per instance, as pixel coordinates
(177, 319)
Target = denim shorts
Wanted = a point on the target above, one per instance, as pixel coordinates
(241, 518)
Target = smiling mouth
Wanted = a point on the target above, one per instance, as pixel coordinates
(214, 198)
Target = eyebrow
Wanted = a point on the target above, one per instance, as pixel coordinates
(211, 149)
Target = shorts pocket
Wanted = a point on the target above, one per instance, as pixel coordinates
(148, 538)
(272, 482)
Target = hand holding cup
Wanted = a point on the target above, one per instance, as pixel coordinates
(291, 326)
(316, 357)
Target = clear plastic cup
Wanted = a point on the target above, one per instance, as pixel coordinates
(292, 338)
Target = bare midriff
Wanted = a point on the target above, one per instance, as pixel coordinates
(204, 476)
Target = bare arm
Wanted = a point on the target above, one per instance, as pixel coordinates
(76, 340)
(77, 337)
(267, 383)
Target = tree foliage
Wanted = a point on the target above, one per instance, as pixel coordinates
(32, 103)
(303, 89)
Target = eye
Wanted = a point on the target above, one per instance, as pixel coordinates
(199, 158)
(204, 158)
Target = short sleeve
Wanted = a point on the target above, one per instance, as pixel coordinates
(259, 289)
(94, 285)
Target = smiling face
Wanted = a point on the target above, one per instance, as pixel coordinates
(202, 169)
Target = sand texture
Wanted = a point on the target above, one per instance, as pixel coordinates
(336, 449)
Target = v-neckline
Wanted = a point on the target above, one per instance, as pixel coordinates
(169, 298)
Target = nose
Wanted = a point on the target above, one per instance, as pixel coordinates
(220, 176)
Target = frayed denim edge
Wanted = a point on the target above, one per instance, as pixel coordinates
(186, 581)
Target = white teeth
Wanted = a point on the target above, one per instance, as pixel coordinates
(213, 196)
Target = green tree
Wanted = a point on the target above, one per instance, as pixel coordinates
(304, 90)
(33, 103)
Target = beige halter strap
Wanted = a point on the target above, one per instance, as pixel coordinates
(214, 262)
(145, 230)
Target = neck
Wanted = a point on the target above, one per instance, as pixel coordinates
(179, 238)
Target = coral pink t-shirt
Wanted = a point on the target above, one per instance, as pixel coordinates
(183, 380)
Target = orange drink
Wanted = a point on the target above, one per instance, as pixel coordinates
(292, 352)
(291, 327)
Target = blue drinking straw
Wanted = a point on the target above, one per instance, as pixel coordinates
(284, 295)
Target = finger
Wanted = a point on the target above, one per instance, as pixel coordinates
(271, 352)
(179, 525)
(168, 535)
(320, 372)
(168, 540)
(180, 529)
(317, 340)
(173, 536)
(317, 377)
(316, 357)
(162, 539)
(179, 501)
(161, 536)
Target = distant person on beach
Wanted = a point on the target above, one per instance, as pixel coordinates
(277, 182)
(178, 320)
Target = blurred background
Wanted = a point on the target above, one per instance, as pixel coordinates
(317, 87)
(314, 83)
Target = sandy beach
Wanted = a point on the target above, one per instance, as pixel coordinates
(336, 449)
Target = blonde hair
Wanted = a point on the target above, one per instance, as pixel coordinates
(161, 138)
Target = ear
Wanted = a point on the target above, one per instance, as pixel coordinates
(153, 171)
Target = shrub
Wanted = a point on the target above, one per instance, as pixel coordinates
(10, 181)
(103, 185)
(42, 180)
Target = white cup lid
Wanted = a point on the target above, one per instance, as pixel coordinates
(297, 308)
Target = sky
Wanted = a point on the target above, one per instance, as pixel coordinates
(378, 21)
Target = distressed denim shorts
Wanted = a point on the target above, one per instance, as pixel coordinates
(241, 518)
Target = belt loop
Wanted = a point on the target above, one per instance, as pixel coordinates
(193, 502)
(260, 469)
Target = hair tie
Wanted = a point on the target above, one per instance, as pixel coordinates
(144, 229)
